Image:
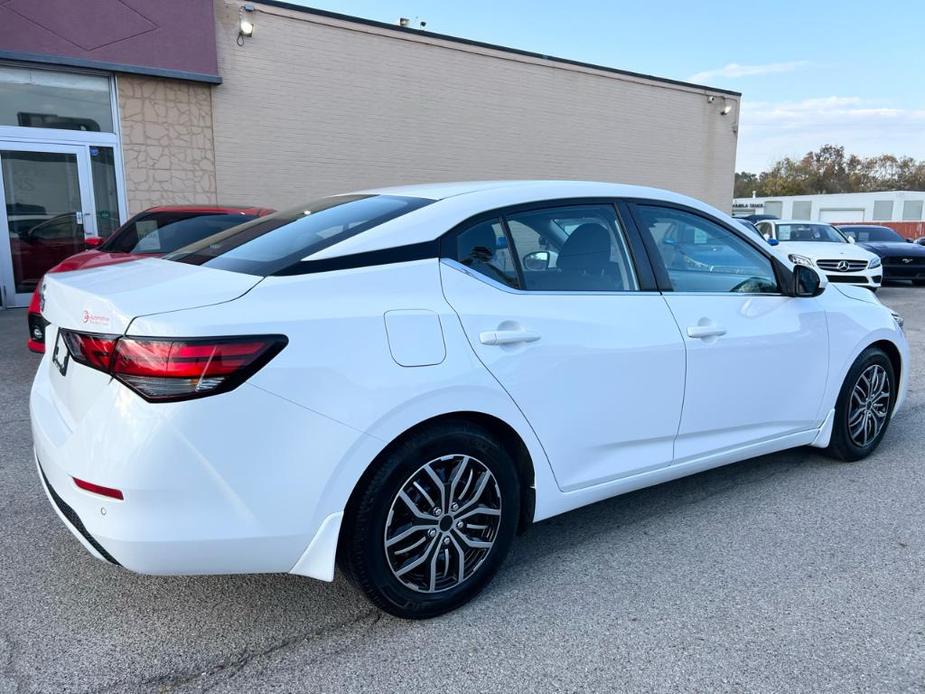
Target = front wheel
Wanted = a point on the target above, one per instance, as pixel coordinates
(864, 406)
(428, 529)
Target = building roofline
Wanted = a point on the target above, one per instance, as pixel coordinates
(822, 195)
(493, 46)
(107, 66)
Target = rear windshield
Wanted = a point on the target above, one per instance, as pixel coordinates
(159, 235)
(271, 244)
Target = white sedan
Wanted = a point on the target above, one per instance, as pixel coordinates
(399, 380)
(821, 245)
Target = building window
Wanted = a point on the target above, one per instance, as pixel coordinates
(802, 209)
(105, 190)
(912, 210)
(883, 210)
(774, 207)
(60, 100)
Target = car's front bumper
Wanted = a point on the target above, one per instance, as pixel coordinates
(896, 269)
(871, 279)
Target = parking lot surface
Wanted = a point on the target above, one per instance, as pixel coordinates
(788, 572)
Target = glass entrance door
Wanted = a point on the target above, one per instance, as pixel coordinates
(48, 210)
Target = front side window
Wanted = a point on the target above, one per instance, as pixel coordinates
(702, 256)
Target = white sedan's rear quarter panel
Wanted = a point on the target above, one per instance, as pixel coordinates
(339, 363)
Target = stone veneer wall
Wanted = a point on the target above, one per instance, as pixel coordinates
(167, 142)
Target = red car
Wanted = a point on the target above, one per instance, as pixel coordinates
(154, 232)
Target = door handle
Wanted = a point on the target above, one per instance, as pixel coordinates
(507, 337)
(701, 332)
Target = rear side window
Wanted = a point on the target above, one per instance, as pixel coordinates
(575, 248)
(569, 248)
(483, 247)
(271, 244)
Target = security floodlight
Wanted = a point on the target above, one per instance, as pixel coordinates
(246, 19)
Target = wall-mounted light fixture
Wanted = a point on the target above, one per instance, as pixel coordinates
(727, 106)
(410, 24)
(247, 16)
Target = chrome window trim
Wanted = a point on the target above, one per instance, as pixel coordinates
(456, 265)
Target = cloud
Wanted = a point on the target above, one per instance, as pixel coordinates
(733, 70)
(769, 131)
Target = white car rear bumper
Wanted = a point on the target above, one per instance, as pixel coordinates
(246, 497)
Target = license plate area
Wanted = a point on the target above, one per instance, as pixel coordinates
(60, 357)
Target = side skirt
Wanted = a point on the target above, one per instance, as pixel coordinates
(560, 503)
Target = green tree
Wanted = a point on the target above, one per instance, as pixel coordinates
(830, 170)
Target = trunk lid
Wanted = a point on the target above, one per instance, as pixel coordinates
(106, 300)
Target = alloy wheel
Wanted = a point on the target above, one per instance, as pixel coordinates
(869, 405)
(442, 523)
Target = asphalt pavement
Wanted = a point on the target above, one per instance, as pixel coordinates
(786, 573)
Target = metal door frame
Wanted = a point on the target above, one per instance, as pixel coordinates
(10, 297)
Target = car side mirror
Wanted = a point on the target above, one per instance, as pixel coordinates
(851, 239)
(806, 282)
(773, 242)
(537, 260)
(908, 240)
(93, 241)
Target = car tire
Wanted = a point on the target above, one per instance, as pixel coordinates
(388, 526)
(864, 406)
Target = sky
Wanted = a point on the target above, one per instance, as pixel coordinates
(811, 72)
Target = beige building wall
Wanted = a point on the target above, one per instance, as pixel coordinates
(167, 143)
(311, 105)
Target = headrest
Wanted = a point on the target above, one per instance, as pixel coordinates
(587, 248)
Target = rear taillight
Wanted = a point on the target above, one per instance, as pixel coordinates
(89, 349)
(170, 369)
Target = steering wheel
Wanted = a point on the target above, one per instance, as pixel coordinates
(752, 285)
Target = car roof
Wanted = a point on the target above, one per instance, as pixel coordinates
(796, 221)
(455, 202)
(214, 209)
(516, 189)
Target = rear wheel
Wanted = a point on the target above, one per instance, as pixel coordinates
(864, 406)
(426, 532)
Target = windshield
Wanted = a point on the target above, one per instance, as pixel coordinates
(270, 244)
(157, 235)
(126, 237)
(864, 234)
(809, 232)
